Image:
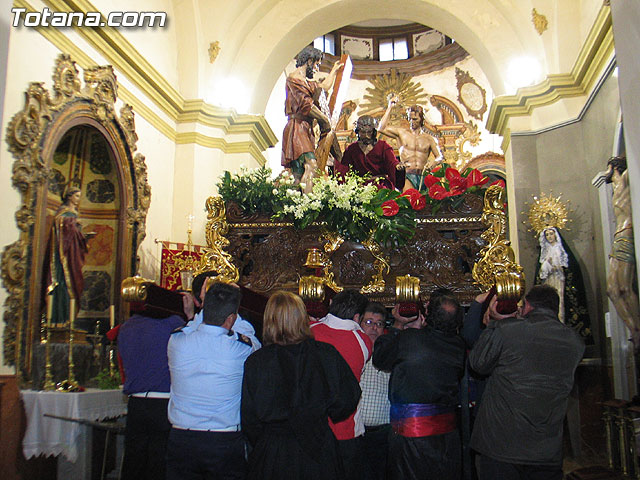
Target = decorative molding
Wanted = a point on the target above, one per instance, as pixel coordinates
(435, 61)
(593, 58)
(424, 43)
(357, 48)
(32, 136)
(214, 50)
(592, 96)
(540, 22)
(471, 94)
(130, 63)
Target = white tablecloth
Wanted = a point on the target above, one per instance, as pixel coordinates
(50, 436)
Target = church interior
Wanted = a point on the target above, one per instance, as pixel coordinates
(146, 120)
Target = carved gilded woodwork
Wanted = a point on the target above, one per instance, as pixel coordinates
(381, 266)
(389, 85)
(32, 136)
(270, 256)
(470, 135)
(214, 257)
(497, 266)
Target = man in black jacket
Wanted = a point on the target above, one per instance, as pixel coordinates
(426, 365)
(531, 360)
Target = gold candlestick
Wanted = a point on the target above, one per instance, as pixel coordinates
(48, 377)
(70, 385)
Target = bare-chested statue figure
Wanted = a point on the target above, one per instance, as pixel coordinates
(622, 262)
(415, 144)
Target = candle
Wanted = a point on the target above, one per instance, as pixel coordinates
(49, 309)
(190, 218)
(112, 316)
(72, 312)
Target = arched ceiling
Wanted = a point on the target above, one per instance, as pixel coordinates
(259, 37)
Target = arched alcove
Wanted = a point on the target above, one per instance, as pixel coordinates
(71, 137)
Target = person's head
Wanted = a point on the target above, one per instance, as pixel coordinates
(72, 196)
(415, 115)
(311, 57)
(221, 304)
(286, 321)
(373, 320)
(541, 296)
(616, 163)
(198, 288)
(445, 314)
(348, 304)
(366, 130)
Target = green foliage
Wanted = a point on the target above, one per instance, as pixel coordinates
(252, 190)
(106, 381)
(353, 208)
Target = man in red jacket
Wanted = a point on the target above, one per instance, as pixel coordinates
(341, 329)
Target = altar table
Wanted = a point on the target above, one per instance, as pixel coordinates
(50, 436)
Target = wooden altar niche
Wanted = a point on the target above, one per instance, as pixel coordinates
(114, 179)
(271, 256)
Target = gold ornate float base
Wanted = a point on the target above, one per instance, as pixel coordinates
(269, 256)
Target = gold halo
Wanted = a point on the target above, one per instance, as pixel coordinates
(547, 211)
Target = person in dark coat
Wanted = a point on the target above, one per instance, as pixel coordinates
(426, 366)
(290, 388)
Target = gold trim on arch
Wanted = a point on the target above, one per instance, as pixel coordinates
(592, 59)
(130, 63)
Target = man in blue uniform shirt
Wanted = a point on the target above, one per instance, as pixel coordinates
(206, 365)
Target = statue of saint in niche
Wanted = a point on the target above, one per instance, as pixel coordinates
(64, 257)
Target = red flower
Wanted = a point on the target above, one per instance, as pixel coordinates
(476, 178)
(390, 208)
(457, 183)
(500, 183)
(410, 192)
(436, 169)
(416, 199)
(430, 180)
(438, 192)
(452, 174)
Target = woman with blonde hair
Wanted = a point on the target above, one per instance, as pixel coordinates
(291, 386)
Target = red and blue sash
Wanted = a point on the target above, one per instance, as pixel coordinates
(422, 419)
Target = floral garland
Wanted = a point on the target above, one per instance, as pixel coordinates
(351, 207)
(445, 182)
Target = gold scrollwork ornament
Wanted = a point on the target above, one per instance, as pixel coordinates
(497, 260)
(381, 264)
(214, 257)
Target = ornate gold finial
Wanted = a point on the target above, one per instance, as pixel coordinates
(214, 50)
(540, 22)
(547, 211)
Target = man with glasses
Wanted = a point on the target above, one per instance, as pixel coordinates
(375, 399)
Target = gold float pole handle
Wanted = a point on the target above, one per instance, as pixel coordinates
(48, 378)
